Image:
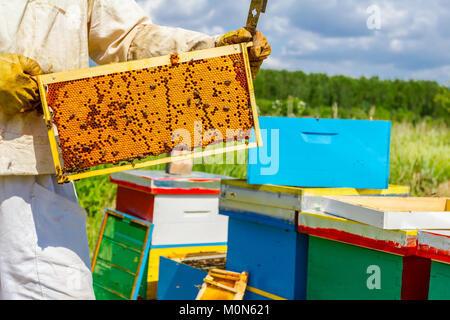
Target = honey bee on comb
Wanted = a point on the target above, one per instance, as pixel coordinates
(133, 113)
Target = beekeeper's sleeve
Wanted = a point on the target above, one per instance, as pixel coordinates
(119, 30)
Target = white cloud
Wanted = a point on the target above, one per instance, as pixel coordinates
(212, 31)
(396, 45)
(331, 36)
(274, 63)
(150, 6)
(278, 24)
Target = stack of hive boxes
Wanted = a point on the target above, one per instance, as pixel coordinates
(317, 219)
(291, 245)
(182, 210)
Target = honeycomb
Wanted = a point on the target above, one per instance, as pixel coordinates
(135, 114)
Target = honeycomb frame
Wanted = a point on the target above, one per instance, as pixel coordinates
(57, 130)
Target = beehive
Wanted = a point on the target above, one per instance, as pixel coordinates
(126, 112)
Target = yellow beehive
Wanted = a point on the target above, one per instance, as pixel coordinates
(120, 113)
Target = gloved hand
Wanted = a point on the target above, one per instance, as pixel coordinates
(258, 53)
(18, 91)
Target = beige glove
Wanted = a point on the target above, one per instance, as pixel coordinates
(18, 91)
(258, 53)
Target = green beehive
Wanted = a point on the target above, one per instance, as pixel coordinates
(120, 257)
(348, 260)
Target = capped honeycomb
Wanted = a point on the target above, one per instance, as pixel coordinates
(131, 115)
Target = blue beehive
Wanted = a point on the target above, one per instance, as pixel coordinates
(326, 153)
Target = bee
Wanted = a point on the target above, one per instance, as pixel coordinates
(189, 102)
(226, 108)
(196, 94)
(227, 82)
(174, 58)
(152, 87)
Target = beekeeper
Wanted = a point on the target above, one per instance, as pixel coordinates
(43, 242)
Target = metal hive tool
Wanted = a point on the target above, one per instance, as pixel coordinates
(123, 113)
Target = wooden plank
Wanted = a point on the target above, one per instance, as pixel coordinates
(400, 204)
(435, 245)
(283, 214)
(50, 129)
(259, 198)
(339, 229)
(195, 155)
(248, 72)
(410, 214)
(140, 64)
(223, 285)
(391, 191)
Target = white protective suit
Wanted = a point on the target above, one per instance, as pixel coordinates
(43, 243)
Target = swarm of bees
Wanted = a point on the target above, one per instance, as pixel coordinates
(129, 116)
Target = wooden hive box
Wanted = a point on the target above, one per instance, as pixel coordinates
(124, 113)
(435, 245)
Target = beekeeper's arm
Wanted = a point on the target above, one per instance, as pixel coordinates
(119, 30)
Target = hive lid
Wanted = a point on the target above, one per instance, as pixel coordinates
(391, 212)
(159, 182)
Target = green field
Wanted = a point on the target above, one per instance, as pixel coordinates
(420, 158)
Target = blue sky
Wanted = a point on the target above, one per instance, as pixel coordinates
(332, 36)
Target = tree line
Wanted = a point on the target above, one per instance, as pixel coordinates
(414, 99)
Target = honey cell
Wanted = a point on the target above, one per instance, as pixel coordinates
(132, 115)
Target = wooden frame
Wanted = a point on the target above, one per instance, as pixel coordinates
(44, 80)
(223, 285)
(392, 213)
(145, 249)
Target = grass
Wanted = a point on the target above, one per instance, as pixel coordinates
(420, 158)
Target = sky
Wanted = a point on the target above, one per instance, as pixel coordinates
(405, 39)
